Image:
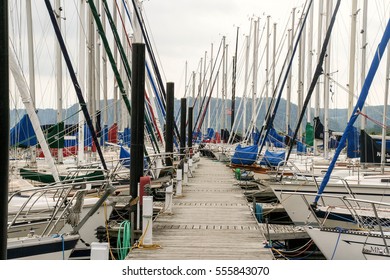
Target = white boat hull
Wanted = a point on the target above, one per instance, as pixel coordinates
(41, 248)
(350, 245)
(300, 214)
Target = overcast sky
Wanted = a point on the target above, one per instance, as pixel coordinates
(183, 30)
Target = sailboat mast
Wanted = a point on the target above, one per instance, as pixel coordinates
(115, 54)
(310, 58)
(58, 9)
(4, 126)
(31, 64)
(364, 50)
(82, 48)
(317, 94)
(267, 63)
(254, 72)
(301, 78)
(352, 51)
(273, 64)
(247, 45)
(105, 87)
(233, 108)
(289, 78)
(329, 5)
(211, 76)
(223, 113)
(383, 153)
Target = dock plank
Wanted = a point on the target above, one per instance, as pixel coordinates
(211, 220)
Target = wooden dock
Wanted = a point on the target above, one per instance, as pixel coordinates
(211, 220)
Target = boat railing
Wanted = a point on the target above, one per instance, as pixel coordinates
(51, 203)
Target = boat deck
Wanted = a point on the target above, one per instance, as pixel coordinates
(211, 220)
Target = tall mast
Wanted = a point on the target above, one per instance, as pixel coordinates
(383, 153)
(289, 77)
(91, 72)
(352, 51)
(31, 65)
(364, 51)
(319, 41)
(310, 58)
(58, 9)
(301, 74)
(211, 76)
(267, 63)
(4, 125)
(223, 112)
(273, 61)
(104, 66)
(96, 98)
(247, 45)
(82, 49)
(115, 53)
(329, 5)
(234, 83)
(254, 79)
(200, 88)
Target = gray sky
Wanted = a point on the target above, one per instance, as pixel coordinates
(183, 30)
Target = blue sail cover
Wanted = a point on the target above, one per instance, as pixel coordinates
(23, 134)
(87, 136)
(245, 155)
(104, 136)
(272, 159)
(127, 137)
(124, 156)
(210, 134)
(276, 139)
(353, 143)
(358, 107)
(301, 148)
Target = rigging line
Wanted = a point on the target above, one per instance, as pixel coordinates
(382, 125)
(149, 75)
(271, 118)
(194, 99)
(75, 82)
(318, 72)
(149, 48)
(152, 58)
(208, 101)
(110, 56)
(359, 106)
(271, 105)
(201, 107)
(148, 71)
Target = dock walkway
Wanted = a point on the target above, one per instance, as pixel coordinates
(211, 220)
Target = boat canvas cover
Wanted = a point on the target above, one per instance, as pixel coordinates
(276, 139)
(245, 155)
(272, 159)
(309, 139)
(22, 134)
(353, 143)
(370, 150)
(124, 156)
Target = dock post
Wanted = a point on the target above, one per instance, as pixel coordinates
(190, 167)
(147, 221)
(185, 179)
(159, 166)
(168, 198)
(179, 179)
(170, 118)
